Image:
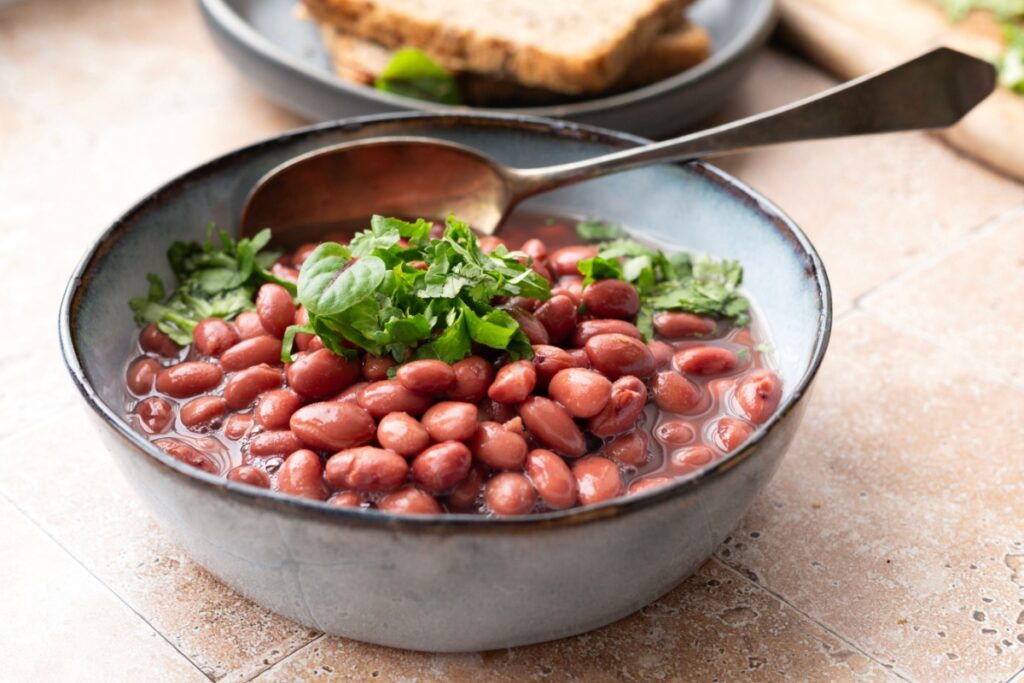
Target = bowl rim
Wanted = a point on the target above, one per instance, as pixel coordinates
(750, 37)
(446, 522)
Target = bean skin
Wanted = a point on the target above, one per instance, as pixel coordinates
(473, 376)
(153, 340)
(276, 442)
(188, 379)
(366, 469)
(155, 414)
(302, 253)
(675, 433)
(513, 383)
(629, 396)
(558, 316)
(548, 361)
(203, 411)
(535, 249)
(352, 393)
(275, 308)
(426, 376)
(501, 448)
(489, 243)
(409, 501)
(302, 475)
(302, 339)
(630, 449)
(580, 358)
(451, 421)
(141, 374)
(237, 426)
(591, 328)
(390, 396)
(187, 454)
(731, 433)
(687, 460)
(674, 393)
(758, 395)
(552, 478)
(675, 325)
(402, 434)
(598, 479)
(611, 299)
(332, 426)
(252, 476)
(243, 387)
(275, 408)
(509, 494)
(565, 261)
(375, 368)
(528, 323)
(252, 351)
(214, 336)
(648, 484)
(491, 411)
(345, 499)
(615, 355)
(705, 360)
(571, 286)
(321, 374)
(442, 466)
(552, 425)
(584, 393)
(284, 272)
(249, 326)
(662, 353)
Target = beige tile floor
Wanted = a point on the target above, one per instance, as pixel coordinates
(889, 546)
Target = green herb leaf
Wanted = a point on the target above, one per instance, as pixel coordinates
(411, 73)
(598, 231)
(330, 282)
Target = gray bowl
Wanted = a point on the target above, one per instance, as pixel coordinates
(457, 582)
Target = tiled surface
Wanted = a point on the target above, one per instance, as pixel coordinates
(889, 545)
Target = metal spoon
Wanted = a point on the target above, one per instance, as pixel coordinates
(415, 177)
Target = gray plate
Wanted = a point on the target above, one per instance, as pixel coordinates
(285, 59)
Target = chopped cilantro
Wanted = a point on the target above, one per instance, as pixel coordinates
(596, 230)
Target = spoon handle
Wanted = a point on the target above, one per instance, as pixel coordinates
(933, 90)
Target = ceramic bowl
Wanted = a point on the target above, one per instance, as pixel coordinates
(456, 582)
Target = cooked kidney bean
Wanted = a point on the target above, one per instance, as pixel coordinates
(451, 421)
(302, 339)
(647, 484)
(706, 360)
(530, 326)
(243, 387)
(687, 460)
(214, 336)
(345, 499)
(252, 476)
(320, 374)
(473, 376)
(501, 448)
(155, 414)
(302, 475)
(391, 396)
(276, 442)
(237, 426)
(442, 466)
(352, 393)
(332, 426)
(203, 411)
(402, 434)
(274, 408)
(530, 305)
(674, 393)
(730, 433)
(548, 361)
(375, 368)
(675, 432)
(597, 479)
(611, 299)
(141, 374)
(489, 243)
(284, 272)
(580, 358)
(466, 493)
(535, 249)
(302, 253)
(571, 286)
(591, 328)
(552, 425)
(187, 454)
(366, 469)
(409, 501)
(758, 395)
(514, 382)
(275, 309)
(675, 325)
(426, 376)
(662, 353)
(629, 396)
(616, 355)
(510, 493)
(629, 449)
(492, 411)
(249, 326)
(252, 351)
(188, 379)
(565, 261)
(558, 316)
(552, 478)
(584, 393)
(153, 340)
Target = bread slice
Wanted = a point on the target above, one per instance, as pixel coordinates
(567, 46)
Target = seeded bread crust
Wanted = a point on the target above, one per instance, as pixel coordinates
(566, 46)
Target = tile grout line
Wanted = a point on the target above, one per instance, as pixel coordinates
(1015, 678)
(888, 668)
(286, 657)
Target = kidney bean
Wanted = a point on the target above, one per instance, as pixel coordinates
(243, 387)
(352, 393)
(466, 493)
(565, 261)
(276, 442)
(510, 493)
(758, 395)
(676, 325)
(332, 426)
(514, 382)
(611, 299)
(442, 466)
(451, 421)
(473, 376)
(730, 433)
(498, 447)
(571, 286)
(584, 393)
(705, 360)
(492, 411)
(366, 469)
(426, 376)
(674, 393)
(687, 460)
(237, 426)
(141, 374)
(523, 302)
(629, 396)
(615, 355)
(188, 379)
(719, 388)
(528, 323)
(489, 243)
(302, 339)
(409, 501)
(284, 272)
(558, 316)
(153, 340)
(597, 479)
(591, 328)
(402, 434)
(552, 478)
(155, 414)
(302, 253)
(630, 449)
(552, 425)
(252, 351)
(275, 408)
(315, 344)
(345, 499)
(391, 396)
(662, 353)
(302, 475)
(214, 336)
(548, 361)
(249, 326)
(275, 308)
(252, 476)
(375, 368)
(320, 374)
(179, 450)
(647, 484)
(675, 432)
(535, 249)
(580, 358)
(203, 411)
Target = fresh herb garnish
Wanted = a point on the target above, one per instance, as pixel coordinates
(596, 230)
(213, 282)
(1010, 14)
(413, 74)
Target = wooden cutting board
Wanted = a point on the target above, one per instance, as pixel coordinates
(854, 37)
